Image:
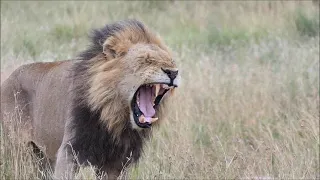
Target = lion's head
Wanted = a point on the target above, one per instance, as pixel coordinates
(129, 73)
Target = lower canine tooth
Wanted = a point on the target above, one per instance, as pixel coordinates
(142, 119)
(154, 119)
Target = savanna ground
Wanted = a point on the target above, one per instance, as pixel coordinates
(248, 105)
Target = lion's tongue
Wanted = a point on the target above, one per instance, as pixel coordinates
(145, 102)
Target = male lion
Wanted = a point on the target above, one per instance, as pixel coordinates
(99, 107)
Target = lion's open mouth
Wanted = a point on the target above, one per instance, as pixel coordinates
(145, 103)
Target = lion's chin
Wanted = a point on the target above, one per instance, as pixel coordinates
(145, 103)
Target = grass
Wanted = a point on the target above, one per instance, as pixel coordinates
(248, 105)
(307, 26)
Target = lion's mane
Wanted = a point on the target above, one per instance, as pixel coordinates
(100, 116)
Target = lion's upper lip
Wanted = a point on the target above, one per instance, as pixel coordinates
(145, 102)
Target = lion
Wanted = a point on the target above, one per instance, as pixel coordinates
(98, 108)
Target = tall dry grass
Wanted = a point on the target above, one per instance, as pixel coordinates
(248, 104)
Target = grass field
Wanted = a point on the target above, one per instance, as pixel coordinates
(248, 104)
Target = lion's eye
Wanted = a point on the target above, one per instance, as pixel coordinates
(150, 60)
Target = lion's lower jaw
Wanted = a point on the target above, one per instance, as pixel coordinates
(134, 124)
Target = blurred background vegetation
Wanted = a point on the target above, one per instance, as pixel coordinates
(248, 106)
(63, 26)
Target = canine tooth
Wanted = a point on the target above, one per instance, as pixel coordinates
(165, 86)
(138, 102)
(154, 119)
(157, 89)
(142, 119)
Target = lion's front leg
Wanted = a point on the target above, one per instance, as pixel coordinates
(66, 167)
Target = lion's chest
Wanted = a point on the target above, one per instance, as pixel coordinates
(95, 145)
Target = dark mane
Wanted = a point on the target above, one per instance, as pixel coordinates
(98, 36)
(95, 145)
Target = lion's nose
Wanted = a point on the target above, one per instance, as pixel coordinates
(172, 74)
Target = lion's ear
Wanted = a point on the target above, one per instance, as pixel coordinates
(114, 47)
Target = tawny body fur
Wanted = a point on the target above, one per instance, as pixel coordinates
(82, 106)
(31, 89)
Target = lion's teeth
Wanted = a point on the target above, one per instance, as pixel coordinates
(157, 89)
(154, 119)
(165, 86)
(138, 102)
(142, 119)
